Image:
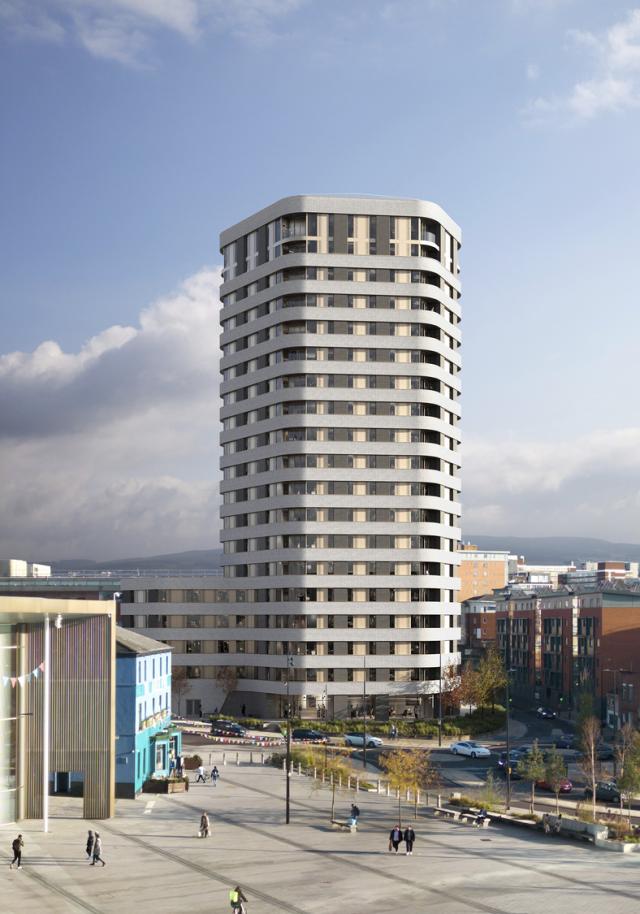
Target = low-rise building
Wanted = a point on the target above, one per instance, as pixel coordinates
(572, 641)
(63, 649)
(482, 571)
(148, 743)
(18, 568)
(479, 621)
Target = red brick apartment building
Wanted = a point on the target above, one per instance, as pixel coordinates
(560, 643)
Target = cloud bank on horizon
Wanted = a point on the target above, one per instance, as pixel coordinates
(113, 450)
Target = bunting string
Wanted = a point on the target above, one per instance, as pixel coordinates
(24, 678)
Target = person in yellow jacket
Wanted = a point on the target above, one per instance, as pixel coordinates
(236, 898)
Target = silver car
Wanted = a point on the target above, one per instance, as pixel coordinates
(357, 739)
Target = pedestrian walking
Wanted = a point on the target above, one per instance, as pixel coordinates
(395, 837)
(201, 776)
(97, 851)
(205, 831)
(90, 840)
(236, 899)
(243, 710)
(355, 812)
(409, 838)
(16, 846)
(215, 774)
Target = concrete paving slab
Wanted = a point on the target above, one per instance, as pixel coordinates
(156, 863)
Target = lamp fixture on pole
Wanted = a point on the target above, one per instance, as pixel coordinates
(288, 753)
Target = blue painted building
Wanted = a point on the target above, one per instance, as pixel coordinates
(147, 742)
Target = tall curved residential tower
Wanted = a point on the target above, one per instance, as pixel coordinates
(340, 341)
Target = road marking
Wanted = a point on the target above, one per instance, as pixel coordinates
(149, 807)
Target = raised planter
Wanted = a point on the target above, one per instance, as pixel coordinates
(157, 785)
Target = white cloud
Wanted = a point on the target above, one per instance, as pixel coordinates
(533, 71)
(113, 450)
(584, 486)
(614, 85)
(123, 30)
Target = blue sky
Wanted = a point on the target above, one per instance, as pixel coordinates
(135, 130)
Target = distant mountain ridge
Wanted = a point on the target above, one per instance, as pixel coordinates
(194, 560)
(537, 550)
(558, 550)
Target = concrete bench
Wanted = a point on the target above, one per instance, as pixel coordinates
(472, 817)
(485, 823)
(447, 813)
(347, 826)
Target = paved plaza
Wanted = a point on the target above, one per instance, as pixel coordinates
(156, 863)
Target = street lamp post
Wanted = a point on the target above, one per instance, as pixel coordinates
(440, 700)
(508, 708)
(288, 752)
(46, 724)
(364, 711)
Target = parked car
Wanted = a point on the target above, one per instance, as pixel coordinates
(470, 748)
(565, 786)
(228, 728)
(606, 792)
(357, 739)
(566, 741)
(309, 736)
(272, 728)
(546, 713)
(605, 752)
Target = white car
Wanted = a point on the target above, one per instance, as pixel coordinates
(468, 747)
(357, 739)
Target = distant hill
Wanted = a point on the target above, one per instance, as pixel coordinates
(196, 560)
(558, 550)
(537, 550)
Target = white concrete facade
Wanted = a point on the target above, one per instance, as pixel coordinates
(340, 340)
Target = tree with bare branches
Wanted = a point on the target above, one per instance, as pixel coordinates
(227, 678)
(590, 731)
(180, 685)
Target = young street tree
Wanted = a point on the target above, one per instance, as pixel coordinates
(628, 764)
(336, 769)
(180, 685)
(409, 769)
(492, 676)
(555, 771)
(531, 768)
(589, 739)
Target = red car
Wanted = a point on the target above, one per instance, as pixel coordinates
(565, 786)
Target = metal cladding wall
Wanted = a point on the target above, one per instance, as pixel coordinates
(82, 712)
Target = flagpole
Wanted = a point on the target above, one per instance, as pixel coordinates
(46, 725)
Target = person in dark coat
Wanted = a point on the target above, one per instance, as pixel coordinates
(90, 840)
(395, 837)
(16, 846)
(409, 838)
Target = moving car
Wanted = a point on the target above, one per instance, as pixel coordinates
(514, 757)
(606, 792)
(470, 748)
(565, 786)
(566, 741)
(228, 728)
(309, 736)
(357, 739)
(546, 713)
